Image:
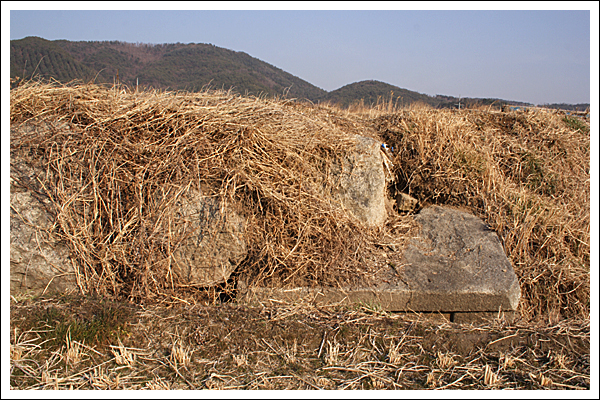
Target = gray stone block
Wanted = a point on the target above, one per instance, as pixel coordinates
(455, 265)
(361, 183)
(209, 241)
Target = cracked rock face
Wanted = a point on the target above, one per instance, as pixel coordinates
(38, 260)
(210, 242)
(362, 184)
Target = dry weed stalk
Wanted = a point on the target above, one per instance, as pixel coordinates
(490, 378)
(394, 354)
(291, 353)
(123, 356)
(432, 380)
(157, 383)
(240, 359)
(445, 360)
(332, 353)
(74, 350)
(180, 355)
(508, 361)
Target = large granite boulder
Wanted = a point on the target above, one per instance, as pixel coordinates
(210, 243)
(361, 182)
(39, 261)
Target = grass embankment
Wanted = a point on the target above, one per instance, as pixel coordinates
(117, 174)
(525, 174)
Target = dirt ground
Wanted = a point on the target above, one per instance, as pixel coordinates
(89, 343)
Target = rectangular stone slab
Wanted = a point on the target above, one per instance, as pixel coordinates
(455, 264)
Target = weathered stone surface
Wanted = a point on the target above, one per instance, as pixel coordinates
(456, 264)
(405, 203)
(361, 182)
(211, 242)
(38, 261)
(208, 244)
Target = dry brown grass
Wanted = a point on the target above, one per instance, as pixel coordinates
(295, 347)
(116, 172)
(526, 174)
(116, 162)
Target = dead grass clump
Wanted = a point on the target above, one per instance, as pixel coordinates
(116, 162)
(526, 174)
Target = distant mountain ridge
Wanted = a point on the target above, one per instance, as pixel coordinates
(373, 92)
(192, 67)
(164, 66)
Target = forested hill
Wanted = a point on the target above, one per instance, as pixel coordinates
(373, 92)
(165, 66)
(192, 67)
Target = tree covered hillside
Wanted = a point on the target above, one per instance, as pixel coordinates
(194, 66)
(164, 66)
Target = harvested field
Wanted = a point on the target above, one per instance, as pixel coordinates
(132, 325)
(54, 346)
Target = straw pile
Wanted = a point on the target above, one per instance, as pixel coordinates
(110, 151)
(526, 174)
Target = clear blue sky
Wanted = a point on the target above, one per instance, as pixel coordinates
(537, 56)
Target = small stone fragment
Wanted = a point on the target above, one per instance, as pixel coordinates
(406, 203)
